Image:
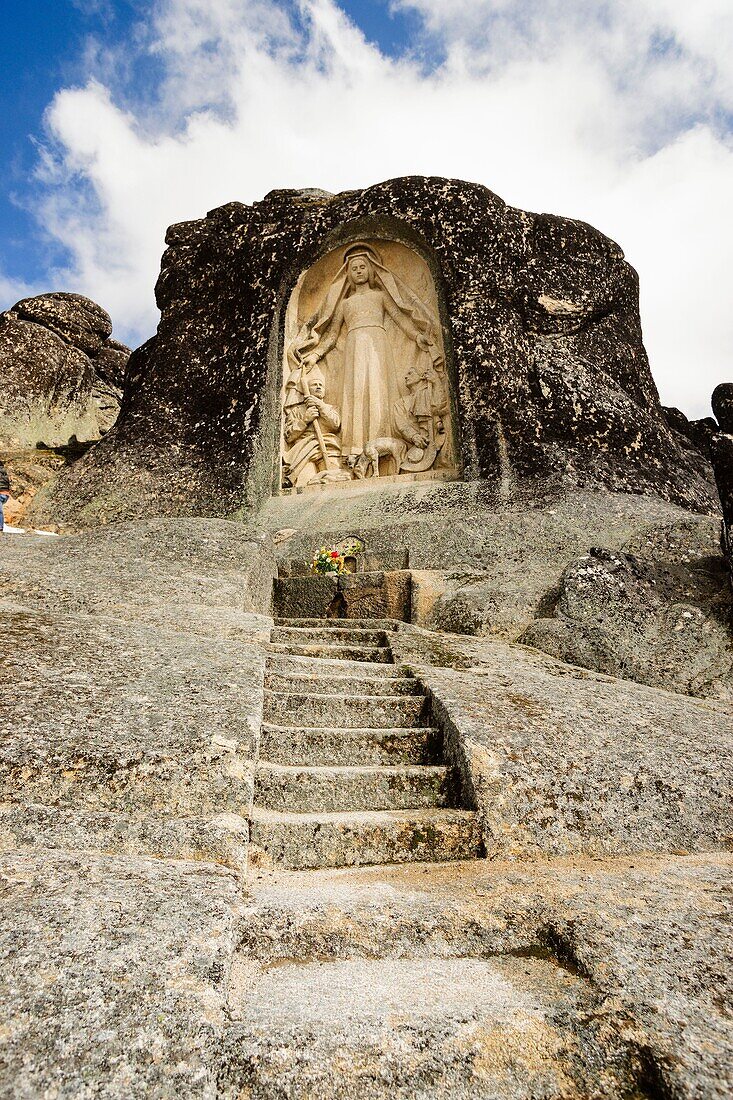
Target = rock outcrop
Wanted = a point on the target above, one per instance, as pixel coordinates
(541, 324)
(590, 955)
(541, 571)
(62, 374)
(721, 454)
(167, 749)
(665, 623)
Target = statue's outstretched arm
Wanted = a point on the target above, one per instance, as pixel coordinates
(400, 318)
(405, 323)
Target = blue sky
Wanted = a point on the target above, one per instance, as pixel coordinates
(42, 48)
(121, 116)
(51, 44)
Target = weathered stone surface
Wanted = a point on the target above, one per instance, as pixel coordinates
(417, 1028)
(540, 316)
(665, 624)
(625, 991)
(375, 595)
(222, 838)
(697, 432)
(76, 319)
(134, 655)
(722, 403)
(483, 565)
(304, 789)
(110, 363)
(29, 470)
(114, 975)
(721, 456)
(136, 658)
(202, 577)
(356, 837)
(562, 760)
(120, 716)
(61, 373)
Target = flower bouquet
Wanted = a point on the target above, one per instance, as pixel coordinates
(337, 559)
(328, 560)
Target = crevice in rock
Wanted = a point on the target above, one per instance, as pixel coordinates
(561, 948)
(337, 609)
(650, 1083)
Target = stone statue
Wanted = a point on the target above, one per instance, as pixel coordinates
(310, 426)
(381, 336)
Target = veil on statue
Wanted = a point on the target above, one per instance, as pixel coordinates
(313, 331)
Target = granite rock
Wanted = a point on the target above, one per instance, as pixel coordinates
(661, 623)
(207, 577)
(61, 373)
(722, 403)
(540, 317)
(79, 322)
(721, 457)
(573, 962)
(108, 714)
(135, 655)
(697, 432)
(491, 565)
(563, 761)
(644, 945)
(114, 975)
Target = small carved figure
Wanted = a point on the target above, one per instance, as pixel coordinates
(419, 417)
(310, 432)
(374, 449)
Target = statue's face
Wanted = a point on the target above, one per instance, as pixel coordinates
(359, 270)
(317, 388)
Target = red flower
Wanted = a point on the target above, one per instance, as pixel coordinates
(334, 553)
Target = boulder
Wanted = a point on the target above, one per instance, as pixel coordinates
(79, 322)
(61, 373)
(721, 457)
(543, 345)
(661, 623)
(698, 432)
(562, 761)
(722, 402)
(110, 364)
(721, 454)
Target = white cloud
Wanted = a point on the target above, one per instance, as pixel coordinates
(607, 111)
(12, 290)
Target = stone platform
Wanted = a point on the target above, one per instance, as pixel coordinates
(152, 702)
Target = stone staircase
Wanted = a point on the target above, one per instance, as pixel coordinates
(350, 769)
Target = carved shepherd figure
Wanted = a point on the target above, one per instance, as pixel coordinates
(309, 433)
(418, 419)
(370, 304)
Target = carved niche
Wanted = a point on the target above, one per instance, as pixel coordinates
(365, 389)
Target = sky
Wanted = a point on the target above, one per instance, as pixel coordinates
(120, 117)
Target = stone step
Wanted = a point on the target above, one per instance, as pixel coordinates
(290, 708)
(311, 840)
(221, 838)
(342, 685)
(340, 624)
(375, 654)
(298, 789)
(418, 1029)
(291, 664)
(327, 746)
(298, 635)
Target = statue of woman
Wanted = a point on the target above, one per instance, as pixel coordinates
(362, 299)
